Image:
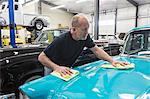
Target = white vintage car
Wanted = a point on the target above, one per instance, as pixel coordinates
(22, 19)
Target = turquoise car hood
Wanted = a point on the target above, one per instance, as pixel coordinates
(95, 82)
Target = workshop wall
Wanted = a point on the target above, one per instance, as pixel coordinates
(144, 15)
(57, 16)
(30, 8)
(107, 23)
(126, 19)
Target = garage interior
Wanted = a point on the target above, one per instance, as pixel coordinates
(119, 27)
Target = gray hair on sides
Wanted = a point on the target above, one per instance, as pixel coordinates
(75, 19)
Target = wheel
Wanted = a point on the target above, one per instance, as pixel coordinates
(2, 21)
(39, 25)
(22, 96)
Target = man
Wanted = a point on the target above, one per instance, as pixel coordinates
(64, 50)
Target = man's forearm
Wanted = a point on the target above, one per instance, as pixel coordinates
(101, 54)
(46, 61)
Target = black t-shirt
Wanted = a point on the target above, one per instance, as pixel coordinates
(64, 50)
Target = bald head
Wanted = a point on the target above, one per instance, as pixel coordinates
(79, 20)
(79, 27)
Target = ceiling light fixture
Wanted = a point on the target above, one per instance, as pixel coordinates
(57, 7)
(80, 1)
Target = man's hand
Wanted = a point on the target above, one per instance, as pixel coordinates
(115, 63)
(63, 70)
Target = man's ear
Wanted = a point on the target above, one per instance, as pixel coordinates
(73, 29)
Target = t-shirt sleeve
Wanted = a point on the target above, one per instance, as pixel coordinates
(53, 49)
(89, 42)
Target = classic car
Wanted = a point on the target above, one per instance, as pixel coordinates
(95, 82)
(20, 65)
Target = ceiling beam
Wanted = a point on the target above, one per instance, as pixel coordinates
(2, 1)
(27, 2)
(50, 4)
(133, 3)
(53, 5)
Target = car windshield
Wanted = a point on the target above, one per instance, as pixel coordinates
(49, 35)
(46, 37)
(138, 43)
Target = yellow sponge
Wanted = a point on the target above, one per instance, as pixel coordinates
(66, 77)
(118, 66)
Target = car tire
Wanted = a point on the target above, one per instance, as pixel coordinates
(22, 96)
(39, 25)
